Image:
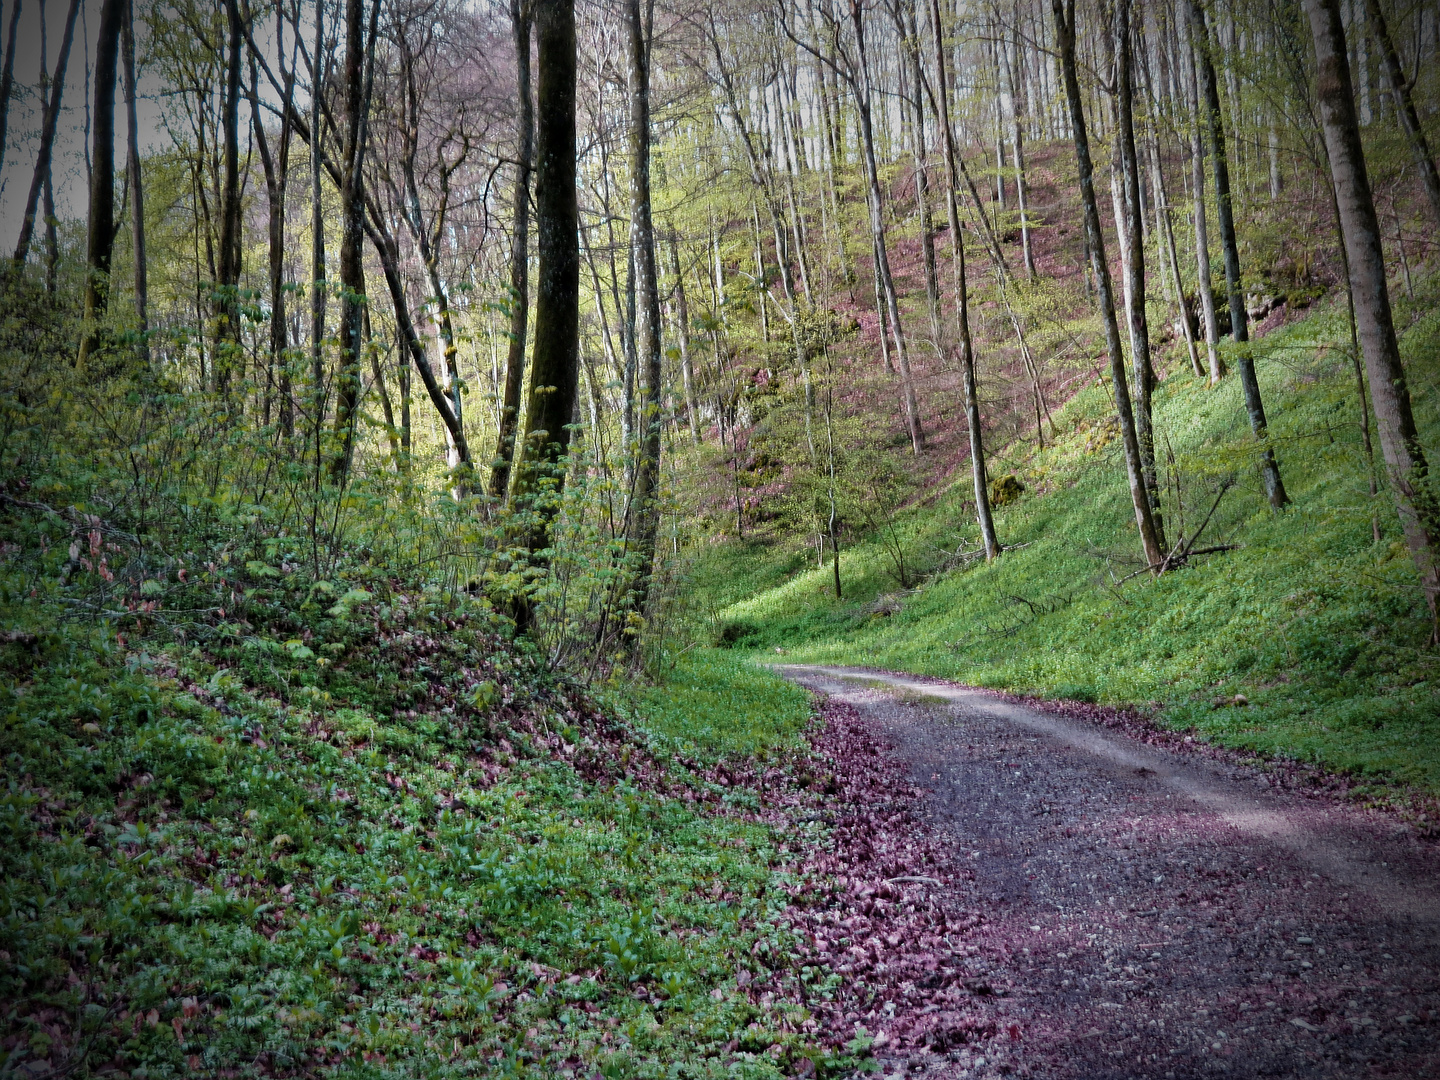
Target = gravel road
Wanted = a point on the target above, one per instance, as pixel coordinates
(1150, 913)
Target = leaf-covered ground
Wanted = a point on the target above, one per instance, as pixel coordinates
(261, 824)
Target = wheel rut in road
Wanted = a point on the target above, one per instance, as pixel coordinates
(1160, 914)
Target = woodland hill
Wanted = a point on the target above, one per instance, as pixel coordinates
(401, 399)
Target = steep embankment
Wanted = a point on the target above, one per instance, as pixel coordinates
(260, 824)
(1304, 635)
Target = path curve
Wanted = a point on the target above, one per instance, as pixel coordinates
(1160, 913)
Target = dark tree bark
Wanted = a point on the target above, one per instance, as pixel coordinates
(226, 299)
(1209, 103)
(1409, 469)
(1400, 88)
(317, 235)
(47, 140)
(520, 16)
(276, 166)
(555, 361)
(941, 101)
(1133, 236)
(1064, 11)
(7, 77)
(136, 183)
(100, 231)
(644, 509)
(359, 74)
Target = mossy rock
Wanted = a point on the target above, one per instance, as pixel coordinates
(1005, 490)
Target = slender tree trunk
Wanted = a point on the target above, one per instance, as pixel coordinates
(645, 508)
(227, 351)
(47, 141)
(7, 76)
(906, 28)
(137, 187)
(100, 233)
(1404, 105)
(555, 361)
(862, 90)
(941, 102)
(1065, 37)
(1409, 470)
(1204, 285)
(317, 235)
(1133, 236)
(519, 257)
(276, 166)
(1017, 138)
(1239, 321)
(359, 79)
(682, 318)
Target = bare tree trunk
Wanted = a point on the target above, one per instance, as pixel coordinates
(644, 522)
(7, 77)
(1204, 285)
(137, 186)
(1239, 321)
(682, 317)
(100, 233)
(555, 361)
(905, 26)
(1133, 236)
(1064, 12)
(317, 235)
(941, 102)
(862, 88)
(227, 351)
(47, 141)
(1416, 500)
(1017, 138)
(359, 78)
(519, 257)
(1400, 88)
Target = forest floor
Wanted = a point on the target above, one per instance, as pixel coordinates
(1112, 903)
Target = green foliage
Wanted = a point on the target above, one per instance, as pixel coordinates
(1318, 625)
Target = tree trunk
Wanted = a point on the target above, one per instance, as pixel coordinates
(1204, 285)
(47, 141)
(100, 231)
(317, 236)
(1065, 37)
(519, 257)
(555, 360)
(1133, 236)
(227, 351)
(682, 317)
(644, 521)
(1404, 105)
(137, 187)
(941, 102)
(861, 86)
(1209, 101)
(359, 78)
(1416, 501)
(276, 167)
(7, 77)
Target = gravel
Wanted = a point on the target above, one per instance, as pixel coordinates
(1128, 909)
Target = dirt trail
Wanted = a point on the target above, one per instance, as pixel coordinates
(1158, 914)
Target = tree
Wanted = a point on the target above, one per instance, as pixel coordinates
(100, 234)
(1064, 12)
(1400, 88)
(520, 17)
(7, 76)
(227, 284)
(47, 141)
(1239, 320)
(941, 101)
(1409, 469)
(358, 80)
(555, 362)
(136, 184)
(645, 507)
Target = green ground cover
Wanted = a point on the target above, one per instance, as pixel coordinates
(1317, 624)
(352, 832)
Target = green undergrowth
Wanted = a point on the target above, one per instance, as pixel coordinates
(344, 828)
(1318, 626)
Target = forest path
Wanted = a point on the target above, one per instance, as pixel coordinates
(1161, 914)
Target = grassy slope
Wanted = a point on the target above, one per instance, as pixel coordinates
(1321, 628)
(364, 837)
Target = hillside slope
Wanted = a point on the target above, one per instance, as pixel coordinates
(1304, 636)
